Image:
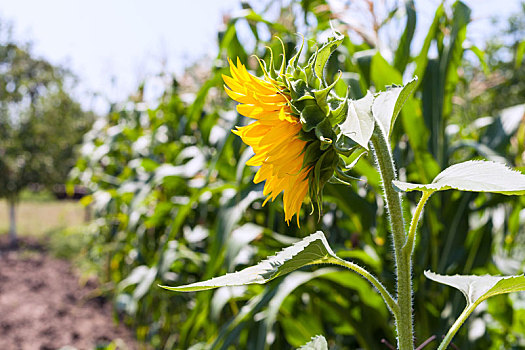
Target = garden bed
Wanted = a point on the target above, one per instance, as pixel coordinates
(43, 305)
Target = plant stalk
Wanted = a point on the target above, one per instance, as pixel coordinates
(390, 302)
(403, 261)
(409, 245)
(455, 327)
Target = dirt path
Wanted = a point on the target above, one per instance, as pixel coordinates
(42, 305)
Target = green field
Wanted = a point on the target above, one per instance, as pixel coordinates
(36, 218)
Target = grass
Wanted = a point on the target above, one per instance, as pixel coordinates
(59, 225)
(36, 218)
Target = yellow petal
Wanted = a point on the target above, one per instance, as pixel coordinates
(273, 137)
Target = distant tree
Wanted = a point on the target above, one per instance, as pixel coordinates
(40, 124)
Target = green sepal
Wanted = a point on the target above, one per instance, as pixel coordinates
(297, 89)
(321, 95)
(314, 191)
(342, 164)
(305, 97)
(312, 153)
(283, 63)
(306, 136)
(271, 72)
(311, 79)
(325, 133)
(337, 181)
(342, 169)
(325, 142)
(345, 145)
(338, 114)
(319, 176)
(323, 54)
(327, 169)
(311, 115)
(293, 63)
(340, 174)
(297, 73)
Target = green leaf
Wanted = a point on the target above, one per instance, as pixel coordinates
(403, 51)
(476, 176)
(479, 288)
(388, 104)
(317, 343)
(359, 123)
(421, 60)
(311, 115)
(481, 57)
(383, 74)
(476, 289)
(520, 50)
(285, 288)
(321, 95)
(364, 62)
(313, 249)
(251, 15)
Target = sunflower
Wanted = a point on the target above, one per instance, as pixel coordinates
(274, 137)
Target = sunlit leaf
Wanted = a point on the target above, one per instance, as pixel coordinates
(317, 343)
(359, 123)
(313, 249)
(285, 288)
(479, 288)
(475, 176)
(387, 104)
(222, 296)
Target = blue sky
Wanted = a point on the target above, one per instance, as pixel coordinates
(112, 45)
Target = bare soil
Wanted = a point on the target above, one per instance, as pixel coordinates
(43, 306)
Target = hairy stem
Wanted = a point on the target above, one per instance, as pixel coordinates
(409, 245)
(389, 300)
(455, 327)
(404, 325)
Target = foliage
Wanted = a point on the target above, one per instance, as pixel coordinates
(175, 203)
(69, 243)
(39, 123)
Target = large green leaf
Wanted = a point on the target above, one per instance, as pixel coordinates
(313, 249)
(359, 123)
(475, 176)
(476, 289)
(285, 288)
(422, 58)
(317, 343)
(382, 74)
(402, 55)
(387, 104)
(479, 288)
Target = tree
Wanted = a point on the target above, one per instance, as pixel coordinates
(39, 124)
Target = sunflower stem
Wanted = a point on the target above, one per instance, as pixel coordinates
(390, 302)
(403, 259)
(455, 327)
(409, 245)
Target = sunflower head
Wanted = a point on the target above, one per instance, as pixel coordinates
(295, 129)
